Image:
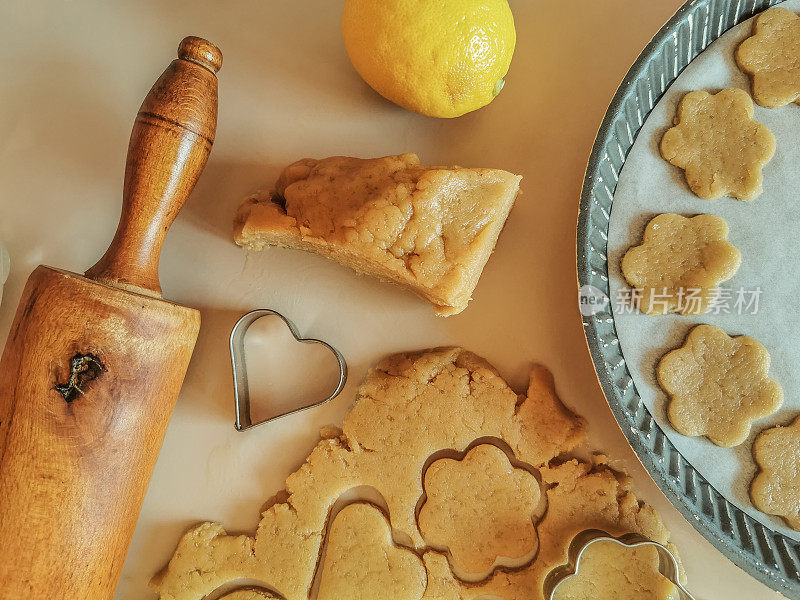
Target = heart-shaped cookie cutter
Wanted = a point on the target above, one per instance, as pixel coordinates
(667, 562)
(241, 387)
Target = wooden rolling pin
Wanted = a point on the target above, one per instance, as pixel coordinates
(93, 364)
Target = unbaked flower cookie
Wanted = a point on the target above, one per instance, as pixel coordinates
(480, 508)
(718, 385)
(679, 264)
(772, 58)
(718, 144)
(776, 489)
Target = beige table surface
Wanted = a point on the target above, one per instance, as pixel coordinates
(74, 73)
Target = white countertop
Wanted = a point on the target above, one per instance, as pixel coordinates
(73, 76)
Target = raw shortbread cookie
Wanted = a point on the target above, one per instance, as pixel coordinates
(718, 385)
(718, 144)
(429, 229)
(772, 58)
(606, 571)
(362, 562)
(480, 508)
(409, 408)
(776, 489)
(680, 263)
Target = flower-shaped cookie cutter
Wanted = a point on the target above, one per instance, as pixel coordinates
(667, 562)
(241, 387)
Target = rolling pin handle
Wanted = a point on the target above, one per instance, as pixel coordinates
(170, 143)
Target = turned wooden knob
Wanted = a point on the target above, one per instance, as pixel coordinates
(202, 52)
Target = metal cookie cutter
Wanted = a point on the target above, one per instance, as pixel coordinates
(667, 563)
(241, 387)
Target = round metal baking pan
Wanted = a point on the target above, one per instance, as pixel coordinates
(764, 553)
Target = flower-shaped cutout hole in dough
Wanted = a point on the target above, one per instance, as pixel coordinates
(772, 58)
(680, 263)
(718, 144)
(362, 561)
(481, 510)
(776, 489)
(718, 385)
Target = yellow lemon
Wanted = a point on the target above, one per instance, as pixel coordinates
(441, 58)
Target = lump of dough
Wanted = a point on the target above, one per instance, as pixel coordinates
(428, 229)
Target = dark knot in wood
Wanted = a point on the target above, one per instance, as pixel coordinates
(83, 369)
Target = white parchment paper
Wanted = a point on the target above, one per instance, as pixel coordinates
(765, 230)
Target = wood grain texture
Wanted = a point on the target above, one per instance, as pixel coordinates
(93, 365)
(73, 475)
